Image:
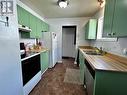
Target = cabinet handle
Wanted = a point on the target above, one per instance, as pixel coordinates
(108, 34)
(113, 34)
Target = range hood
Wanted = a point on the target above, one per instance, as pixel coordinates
(23, 28)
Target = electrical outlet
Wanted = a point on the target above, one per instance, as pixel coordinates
(125, 51)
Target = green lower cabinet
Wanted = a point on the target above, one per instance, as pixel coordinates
(82, 68)
(100, 82)
(44, 61)
(110, 83)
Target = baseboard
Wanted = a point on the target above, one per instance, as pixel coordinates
(59, 62)
(44, 72)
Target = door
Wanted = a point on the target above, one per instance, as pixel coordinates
(68, 41)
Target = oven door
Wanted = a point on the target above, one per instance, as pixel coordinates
(30, 67)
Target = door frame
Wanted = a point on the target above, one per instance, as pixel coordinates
(75, 37)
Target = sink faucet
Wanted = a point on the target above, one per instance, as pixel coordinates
(101, 50)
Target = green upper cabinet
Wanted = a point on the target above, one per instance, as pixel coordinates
(108, 17)
(23, 16)
(26, 18)
(39, 28)
(42, 26)
(36, 25)
(120, 16)
(115, 18)
(45, 27)
(90, 29)
(20, 17)
(33, 26)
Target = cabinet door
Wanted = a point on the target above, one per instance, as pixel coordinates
(120, 23)
(43, 26)
(20, 14)
(82, 68)
(32, 26)
(92, 29)
(39, 29)
(26, 18)
(90, 32)
(108, 18)
(46, 27)
(23, 16)
(44, 61)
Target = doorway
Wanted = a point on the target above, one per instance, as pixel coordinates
(68, 41)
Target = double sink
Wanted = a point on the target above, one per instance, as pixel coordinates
(94, 52)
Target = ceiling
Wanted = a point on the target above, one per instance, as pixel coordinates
(76, 8)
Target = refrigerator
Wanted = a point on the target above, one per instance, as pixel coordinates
(49, 40)
(10, 62)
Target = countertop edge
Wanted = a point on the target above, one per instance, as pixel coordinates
(97, 69)
(34, 54)
(30, 56)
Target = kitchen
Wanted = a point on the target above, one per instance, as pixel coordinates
(40, 32)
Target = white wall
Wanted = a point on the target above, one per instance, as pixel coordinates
(113, 47)
(56, 26)
(68, 46)
(10, 62)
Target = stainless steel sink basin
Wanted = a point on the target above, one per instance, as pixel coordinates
(92, 53)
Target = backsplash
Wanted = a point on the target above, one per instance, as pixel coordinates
(26, 41)
(115, 47)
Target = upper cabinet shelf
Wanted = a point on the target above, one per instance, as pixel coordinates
(115, 24)
(90, 29)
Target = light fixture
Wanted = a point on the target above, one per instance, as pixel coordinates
(63, 3)
(102, 3)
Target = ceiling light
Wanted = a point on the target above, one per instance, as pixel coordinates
(63, 3)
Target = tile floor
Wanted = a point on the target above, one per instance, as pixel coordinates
(52, 82)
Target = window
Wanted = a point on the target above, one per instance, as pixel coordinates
(100, 31)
